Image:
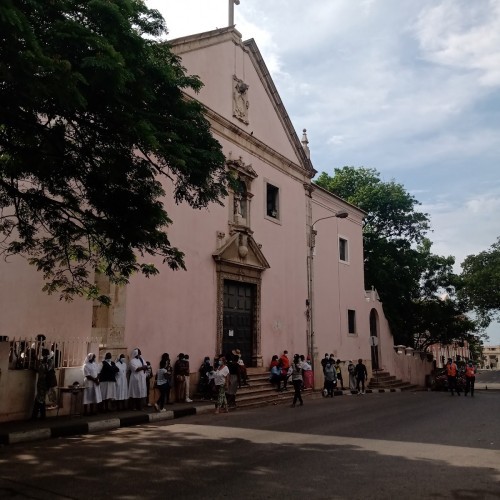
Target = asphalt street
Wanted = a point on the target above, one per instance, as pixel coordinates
(378, 446)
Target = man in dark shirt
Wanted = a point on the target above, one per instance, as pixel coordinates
(361, 375)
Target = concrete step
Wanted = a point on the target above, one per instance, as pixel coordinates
(384, 380)
(271, 398)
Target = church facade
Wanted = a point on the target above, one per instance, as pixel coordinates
(278, 266)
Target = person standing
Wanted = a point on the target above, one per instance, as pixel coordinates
(339, 374)
(107, 381)
(92, 392)
(221, 377)
(234, 377)
(330, 378)
(324, 361)
(204, 384)
(351, 369)
(451, 372)
(149, 379)
(163, 384)
(181, 374)
(361, 376)
(307, 373)
(297, 380)
(470, 378)
(187, 378)
(121, 382)
(42, 369)
(179, 377)
(137, 383)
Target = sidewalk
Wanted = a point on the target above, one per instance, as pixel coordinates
(64, 426)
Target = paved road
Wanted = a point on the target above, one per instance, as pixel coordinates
(488, 379)
(379, 446)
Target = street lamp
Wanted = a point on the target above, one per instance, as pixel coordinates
(312, 242)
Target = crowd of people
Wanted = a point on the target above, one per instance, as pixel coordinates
(299, 371)
(120, 384)
(453, 371)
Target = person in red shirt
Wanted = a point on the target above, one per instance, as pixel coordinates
(285, 365)
(470, 378)
(452, 372)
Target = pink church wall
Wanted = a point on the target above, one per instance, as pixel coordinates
(218, 63)
(26, 311)
(176, 311)
(338, 285)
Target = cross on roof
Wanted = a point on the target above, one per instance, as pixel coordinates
(231, 11)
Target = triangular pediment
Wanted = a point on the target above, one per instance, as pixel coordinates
(241, 250)
(218, 58)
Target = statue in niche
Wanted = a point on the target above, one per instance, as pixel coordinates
(240, 202)
(240, 100)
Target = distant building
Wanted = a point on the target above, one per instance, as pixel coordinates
(491, 355)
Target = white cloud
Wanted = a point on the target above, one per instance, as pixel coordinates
(487, 205)
(336, 140)
(464, 35)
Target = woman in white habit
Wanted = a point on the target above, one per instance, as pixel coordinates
(92, 392)
(121, 382)
(137, 384)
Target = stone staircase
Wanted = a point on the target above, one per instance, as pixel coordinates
(260, 392)
(384, 380)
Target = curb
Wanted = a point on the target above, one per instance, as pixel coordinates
(355, 393)
(67, 429)
(81, 428)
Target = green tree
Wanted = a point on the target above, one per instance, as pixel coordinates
(92, 121)
(480, 283)
(399, 263)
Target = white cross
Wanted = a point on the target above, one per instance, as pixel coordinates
(231, 11)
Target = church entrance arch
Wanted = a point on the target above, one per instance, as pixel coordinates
(373, 336)
(239, 265)
(238, 318)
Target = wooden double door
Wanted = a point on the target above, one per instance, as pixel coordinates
(238, 319)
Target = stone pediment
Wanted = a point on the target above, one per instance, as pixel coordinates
(242, 251)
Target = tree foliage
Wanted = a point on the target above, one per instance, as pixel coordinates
(409, 278)
(481, 282)
(92, 122)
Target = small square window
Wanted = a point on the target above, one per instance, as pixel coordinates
(272, 201)
(343, 250)
(351, 319)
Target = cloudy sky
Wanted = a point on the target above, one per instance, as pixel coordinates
(408, 87)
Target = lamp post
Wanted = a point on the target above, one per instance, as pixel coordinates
(312, 243)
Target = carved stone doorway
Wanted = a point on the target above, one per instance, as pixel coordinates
(240, 264)
(238, 321)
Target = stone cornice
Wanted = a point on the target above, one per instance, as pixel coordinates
(231, 132)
